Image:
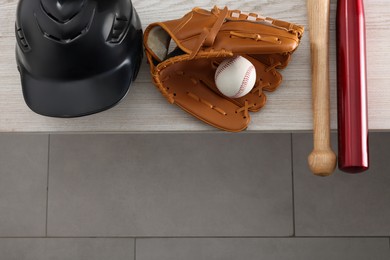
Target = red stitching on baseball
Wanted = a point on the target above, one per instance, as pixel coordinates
(244, 82)
(228, 64)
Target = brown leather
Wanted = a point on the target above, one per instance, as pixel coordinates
(203, 39)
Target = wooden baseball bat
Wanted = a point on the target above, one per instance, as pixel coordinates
(322, 160)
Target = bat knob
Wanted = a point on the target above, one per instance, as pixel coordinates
(322, 162)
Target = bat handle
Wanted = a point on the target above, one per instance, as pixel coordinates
(322, 160)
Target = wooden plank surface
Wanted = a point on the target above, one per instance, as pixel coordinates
(144, 109)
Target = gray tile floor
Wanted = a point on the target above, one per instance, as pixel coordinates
(187, 196)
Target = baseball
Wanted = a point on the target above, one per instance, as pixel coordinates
(235, 77)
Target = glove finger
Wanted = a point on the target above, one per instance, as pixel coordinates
(189, 84)
(279, 61)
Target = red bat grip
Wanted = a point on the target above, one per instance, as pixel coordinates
(352, 87)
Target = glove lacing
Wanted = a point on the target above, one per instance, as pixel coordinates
(208, 36)
(245, 109)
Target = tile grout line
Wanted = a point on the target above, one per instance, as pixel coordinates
(135, 248)
(200, 237)
(293, 184)
(47, 184)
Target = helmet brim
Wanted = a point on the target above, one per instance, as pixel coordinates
(81, 97)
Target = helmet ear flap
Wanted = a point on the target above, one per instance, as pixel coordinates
(21, 38)
(119, 29)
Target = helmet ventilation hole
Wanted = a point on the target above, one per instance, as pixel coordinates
(118, 29)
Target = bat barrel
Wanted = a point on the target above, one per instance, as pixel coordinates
(352, 87)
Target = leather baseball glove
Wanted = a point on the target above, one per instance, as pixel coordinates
(184, 54)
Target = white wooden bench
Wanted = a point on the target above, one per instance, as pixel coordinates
(145, 110)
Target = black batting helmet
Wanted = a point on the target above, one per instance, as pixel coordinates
(77, 57)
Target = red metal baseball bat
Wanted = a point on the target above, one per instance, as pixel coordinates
(352, 87)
